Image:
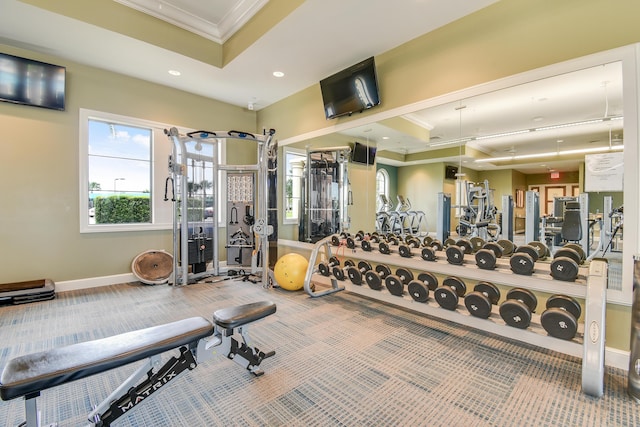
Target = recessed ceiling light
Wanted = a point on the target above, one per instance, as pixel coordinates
(278, 74)
(174, 72)
(385, 137)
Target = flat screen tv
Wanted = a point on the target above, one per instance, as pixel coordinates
(362, 153)
(351, 90)
(29, 82)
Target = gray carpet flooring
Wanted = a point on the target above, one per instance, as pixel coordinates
(340, 360)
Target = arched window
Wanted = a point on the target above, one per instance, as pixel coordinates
(382, 187)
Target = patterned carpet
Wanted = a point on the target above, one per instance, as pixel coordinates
(340, 360)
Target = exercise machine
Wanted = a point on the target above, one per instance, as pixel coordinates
(196, 339)
(325, 195)
(478, 217)
(507, 217)
(196, 171)
(443, 217)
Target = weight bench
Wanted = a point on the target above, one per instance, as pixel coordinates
(198, 340)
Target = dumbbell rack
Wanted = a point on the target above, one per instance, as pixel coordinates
(590, 285)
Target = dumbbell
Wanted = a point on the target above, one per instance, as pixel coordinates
(405, 249)
(338, 240)
(517, 309)
(523, 260)
(325, 267)
(355, 273)
(455, 252)
(487, 256)
(477, 243)
(483, 297)
(420, 287)
(395, 282)
(450, 292)
(576, 247)
(565, 264)
(365, 245)
(374, 278)
(541, 248)
(385, 246)
(428, 253)
(507, 246)
(339, 273)
(560, 319)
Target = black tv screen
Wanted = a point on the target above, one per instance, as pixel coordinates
(363, 154)
(351, 90)
(29, 82)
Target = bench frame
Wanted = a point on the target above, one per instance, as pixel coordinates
(230, 338)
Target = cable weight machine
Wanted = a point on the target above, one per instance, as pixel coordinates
(195, 220)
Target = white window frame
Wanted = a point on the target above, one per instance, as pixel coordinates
(299, 152)
(385, 174)
(161, 211)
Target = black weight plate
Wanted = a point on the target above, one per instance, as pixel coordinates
(446, 297)
(394, 285)
(354, 275)
(405, 251)
(565, 302)
(324, 269)
(373, 280)
(414, 243)
(568, 253)
(375, 238)
(393, 240)
(335, 240)
(428, 279)
(408, 238)
(507, 247)
(533, 252)
(338, 273)
(364, 265)
(418, 291)
(516, 314)
(366, 245)
(405, 275)
(576, 248)
(456, 284)
(521, 263)
(540, 248)
(384, 248)
(427, 240)
(466, 245)
(428, 254)
(488, 289)
(525, 296)
(564, 268)
(349, 263)
(436, 245)
(382, 270)
(486, 259)
(477, 243)
(351, 243)
(449, 242)
(478, 305)
(495, 248)
(455, 255)
(559, 323)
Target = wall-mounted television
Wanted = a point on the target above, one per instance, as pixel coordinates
(351, 90)
(361, 153)
(29, 82)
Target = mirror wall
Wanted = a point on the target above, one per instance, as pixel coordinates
(530, 131)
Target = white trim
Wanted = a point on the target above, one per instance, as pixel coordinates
(616, 358)
(94, 282)
(296, 244)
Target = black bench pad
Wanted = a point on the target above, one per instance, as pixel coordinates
(32, 373)
(233, 317)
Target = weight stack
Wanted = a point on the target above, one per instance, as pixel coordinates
(634, 357)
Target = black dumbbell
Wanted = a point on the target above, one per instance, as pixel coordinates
(395, 282)
(560, 319)
(523, 260)
(517, 309)
(385, 246)
(507, 246)
(541, 248)
(450, 292)
(480, 301)
(565, 264)
(487, 256)
(355, 273)
(325, 267)
(374, 278)
(455, 253)
(420, 287)
(360, 237)
(405, 248)
(576, 247)
(339, 273)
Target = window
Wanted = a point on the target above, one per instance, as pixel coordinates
(294, 166)
(382, 187)
(123, 168)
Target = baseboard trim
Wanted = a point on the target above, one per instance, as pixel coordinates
(94, 282)
(616, 358)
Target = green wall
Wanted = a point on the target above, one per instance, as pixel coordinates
(39, 219)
